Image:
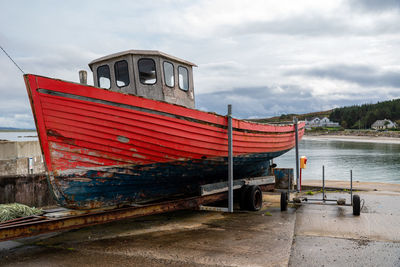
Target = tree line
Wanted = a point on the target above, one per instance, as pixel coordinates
(363, 116)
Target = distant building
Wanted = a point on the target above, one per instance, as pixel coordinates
(383, 124)
(317, 122)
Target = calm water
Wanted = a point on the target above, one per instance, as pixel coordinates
(19, 136)
(375, 162)
(378, 162)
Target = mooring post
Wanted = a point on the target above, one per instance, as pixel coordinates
(297, 153)
(230, 161)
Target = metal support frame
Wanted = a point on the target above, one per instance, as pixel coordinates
(289, 188)
(35, 225)
(63, 219)
(230, 161)
(351, 187)
(323, 182)
(295, 121)
(214, 188)
(324, 199)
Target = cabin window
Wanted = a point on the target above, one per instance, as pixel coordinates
(103, 77)
(121, 73)
(147, 71)
(169, 74)
(183, 78)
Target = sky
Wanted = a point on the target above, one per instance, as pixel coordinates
(266, 58)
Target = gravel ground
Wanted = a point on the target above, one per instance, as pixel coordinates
(310, 235)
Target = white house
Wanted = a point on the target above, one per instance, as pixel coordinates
(383, 124)
(317, 122)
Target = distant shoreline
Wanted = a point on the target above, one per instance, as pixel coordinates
(354, 138)
(17, 130)
(370, 136)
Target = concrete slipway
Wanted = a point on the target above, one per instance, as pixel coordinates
(312, 235)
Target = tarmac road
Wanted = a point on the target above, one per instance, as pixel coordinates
(311, 235)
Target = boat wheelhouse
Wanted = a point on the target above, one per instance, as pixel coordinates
(150, 74)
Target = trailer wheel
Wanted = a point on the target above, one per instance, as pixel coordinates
(243, 196)
(254, 198)
(284, 201)
(356, 205)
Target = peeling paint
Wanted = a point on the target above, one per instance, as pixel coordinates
(141, 183)
(80, 179)
(138, 156)
(123, 139)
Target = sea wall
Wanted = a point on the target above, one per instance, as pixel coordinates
(20, 158)
(22, 174)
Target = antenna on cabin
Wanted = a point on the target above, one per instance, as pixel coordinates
(12, 59)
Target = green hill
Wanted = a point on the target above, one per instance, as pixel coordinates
(363, 116)
(351, 117)
(289, 117)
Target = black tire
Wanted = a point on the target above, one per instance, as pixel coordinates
(356, 205)
(243, 195)
(254, 198)
(284, 201)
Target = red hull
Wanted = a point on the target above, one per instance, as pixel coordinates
(87, 128)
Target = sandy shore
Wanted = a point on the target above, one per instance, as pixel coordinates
(357, 185)
(364, 139)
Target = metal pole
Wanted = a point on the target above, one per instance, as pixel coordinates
(297, 153)
(230, 161)
(351, 187)
(323, 182)
(289, 188)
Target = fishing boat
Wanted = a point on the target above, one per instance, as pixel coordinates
(135, 136)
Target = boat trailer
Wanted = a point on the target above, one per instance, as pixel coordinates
(355, 201)
(61, 219)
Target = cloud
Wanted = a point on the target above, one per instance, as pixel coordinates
(260, 102)
(315, 24)
(265, 58)
(376, 5)
(364, 75)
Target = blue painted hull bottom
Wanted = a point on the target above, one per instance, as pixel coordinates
(115, 186)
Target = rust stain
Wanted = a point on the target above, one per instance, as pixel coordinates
(67, 140)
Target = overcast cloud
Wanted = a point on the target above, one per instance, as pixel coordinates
(266, 58)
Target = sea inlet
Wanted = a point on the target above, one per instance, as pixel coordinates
(370, 160)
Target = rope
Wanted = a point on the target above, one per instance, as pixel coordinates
(12, 59)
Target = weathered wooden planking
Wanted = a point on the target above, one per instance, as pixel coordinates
(105, 148)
